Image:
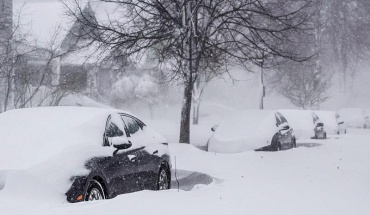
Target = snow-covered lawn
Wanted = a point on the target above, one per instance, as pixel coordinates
(319, 177)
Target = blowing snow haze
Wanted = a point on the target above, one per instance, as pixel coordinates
(261, 106)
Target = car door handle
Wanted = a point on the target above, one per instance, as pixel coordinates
(132, 158)
(155, 152)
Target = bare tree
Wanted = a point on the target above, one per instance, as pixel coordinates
(302, 85)
(30, 74)
(185, 33)
(342, 35)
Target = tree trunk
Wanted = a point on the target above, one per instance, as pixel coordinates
(9, 95)
(262, 86)
(197, 94)
(189, 83)
(262, 93)
(185, 113)
(196, 108)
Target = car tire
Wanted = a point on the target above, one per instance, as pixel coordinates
(163, 181)
(294, 143)
(276, 147)
(94, 191)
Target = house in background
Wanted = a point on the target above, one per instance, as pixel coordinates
(49, 53)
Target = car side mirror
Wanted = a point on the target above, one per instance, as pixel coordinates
(284, 127)
(214, 128)
(120, 143)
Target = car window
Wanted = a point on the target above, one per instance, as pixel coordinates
(315, 118)
(132, 125)
(114, 128)
(278, 121)
(282, 118)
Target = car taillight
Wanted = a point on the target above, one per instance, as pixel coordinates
(79, 198)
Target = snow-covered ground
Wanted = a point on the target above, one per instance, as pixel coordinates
(319, 177)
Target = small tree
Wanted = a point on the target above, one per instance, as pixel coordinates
(123, 91)
(148, 91)
(302, 85)
(131, 89)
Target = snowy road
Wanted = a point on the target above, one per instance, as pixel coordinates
(319, 177)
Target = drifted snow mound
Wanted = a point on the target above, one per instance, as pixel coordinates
(188, 180)
(308, 145)
(21, 186)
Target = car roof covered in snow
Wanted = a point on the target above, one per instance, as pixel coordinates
(246, 124)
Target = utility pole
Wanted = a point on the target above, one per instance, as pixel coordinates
(262, 89)
(262, 86)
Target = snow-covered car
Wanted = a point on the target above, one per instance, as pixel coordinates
(320, 129)
(306, 123)
(85, 153)
(332, 122)
(355, 117)
(342, 127)
(252, 130)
